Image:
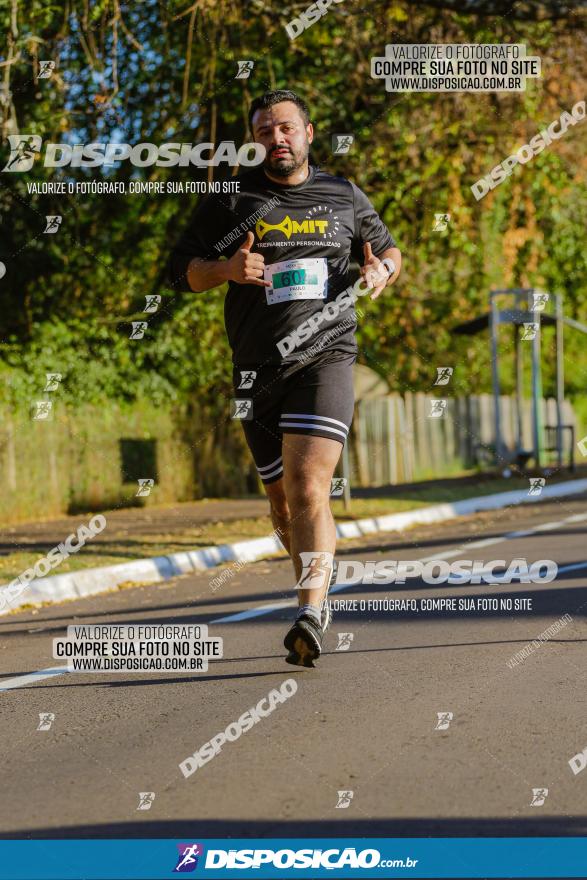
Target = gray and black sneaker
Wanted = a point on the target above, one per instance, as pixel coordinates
(304, 642)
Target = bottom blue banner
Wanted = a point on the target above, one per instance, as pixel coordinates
(528, 857)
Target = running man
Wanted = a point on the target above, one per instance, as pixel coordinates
(298, 228)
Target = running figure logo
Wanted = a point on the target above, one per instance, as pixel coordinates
(189, 854)
(441, 222)
(23, 149)
(53, 222)
(539, 795)
(444, 719)
(539, 301)
(145, 487)
(437, 409)
(242, 409)
(146, 799)
(344, 641)
(53, 380)
(152, 302)
(247, 379)
(46, 719)
(46, 68)
(536, 485)
(530, 331)
(138, 329)
(443, 375)
(341, 143)
(42, 411)
(245, 68)
(316, 570)
(344, 800)
(337, 485)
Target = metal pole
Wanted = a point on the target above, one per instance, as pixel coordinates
(519, 389)
(536, 393)
(560, 379)
(493, 327)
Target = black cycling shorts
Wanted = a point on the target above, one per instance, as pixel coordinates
(315, 398)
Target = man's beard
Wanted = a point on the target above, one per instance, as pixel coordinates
(286, 166)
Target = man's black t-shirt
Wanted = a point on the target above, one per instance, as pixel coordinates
(325, 219)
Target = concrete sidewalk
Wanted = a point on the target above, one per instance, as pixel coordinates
(192, 519)
(192, 515)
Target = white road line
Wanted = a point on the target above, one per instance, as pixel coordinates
(32, 677)
(446, 555)
(577, 517)
(547, 527)
(254, 612)
(487, 542)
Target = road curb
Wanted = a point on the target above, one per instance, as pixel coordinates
(77, 584)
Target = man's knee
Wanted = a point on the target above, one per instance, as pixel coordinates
(306, 492)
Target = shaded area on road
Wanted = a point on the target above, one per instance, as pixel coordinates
(426, 826)
(548, 599)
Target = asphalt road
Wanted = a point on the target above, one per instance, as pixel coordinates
(364, 721)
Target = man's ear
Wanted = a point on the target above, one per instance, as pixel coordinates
(310, 132)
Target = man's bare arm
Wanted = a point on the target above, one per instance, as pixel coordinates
(394, 254)
(243, 267)
(371, 269)
(205, 274)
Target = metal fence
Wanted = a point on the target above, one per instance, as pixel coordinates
(398, 439)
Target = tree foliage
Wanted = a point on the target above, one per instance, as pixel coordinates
(165, 71)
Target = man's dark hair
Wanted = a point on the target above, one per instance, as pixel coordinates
(269, 99)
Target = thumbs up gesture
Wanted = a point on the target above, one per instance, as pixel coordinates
(373, 271)
(244, 267)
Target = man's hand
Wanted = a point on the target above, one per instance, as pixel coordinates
(245, 267)
(374, 271)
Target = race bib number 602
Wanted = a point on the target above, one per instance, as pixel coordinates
(296, 279)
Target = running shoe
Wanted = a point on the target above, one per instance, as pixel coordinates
(304, 642)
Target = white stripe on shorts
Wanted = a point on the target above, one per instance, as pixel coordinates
(316, 426)
(278, 470)
(267, 467)
(313, 417)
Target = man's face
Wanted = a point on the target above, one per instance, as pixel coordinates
(286, 138)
